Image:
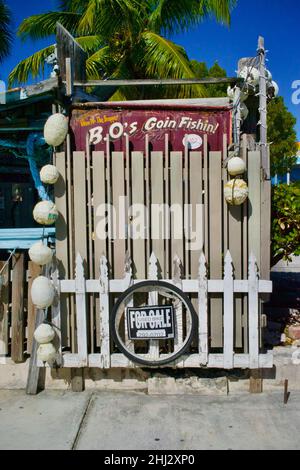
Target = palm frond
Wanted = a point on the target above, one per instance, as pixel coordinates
(5, 33)
(109, 17)
(98, 64)
(173, 16)
(32, 66)
(220, 9)
(43, 25)
(91, 44)
(161, 58)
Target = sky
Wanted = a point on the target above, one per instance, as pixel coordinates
(276, 20)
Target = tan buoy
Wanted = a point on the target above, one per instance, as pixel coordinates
(42, 292)
(49, 174)
(44, 333)
(236, 192)
(45, 213)
(40, 253)
(236, 166)
(46, 352)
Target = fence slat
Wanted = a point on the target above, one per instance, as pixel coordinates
(228, 313)
(56, 312)
(177, 273)
(177, 203)
(17, 309)
(157, 198)
(215, 244)
(118, 199)
(33, 271)
(253, 314)
(203, 310)
(128, 280)
(81, 314)
(4, 306)
(99, 185)
(153, 300)
(104, 314)
(138, 240)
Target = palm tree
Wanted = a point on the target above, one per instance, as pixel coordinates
(125, 38)
(5, 33)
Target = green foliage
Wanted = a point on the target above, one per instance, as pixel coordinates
(5, 31)
(285, 222)
(201, 71)
(127, 39)
(282, 135)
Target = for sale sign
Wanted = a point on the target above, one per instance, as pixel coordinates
(151, 322)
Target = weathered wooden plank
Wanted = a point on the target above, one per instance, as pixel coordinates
(118, 199)
(206, 195)
(35, 373)
(228, 313)
(104, 314)
(177, 273)
(197, 212)
(235, 229)
(203, 310)
(215, 244)
(17, 309)
(4, 309)
(33, 271)
(168, 272)
(254, 205)
(81, 312)
(152, 82)
(177, 203)
(157, 217)
(80, 204)
(128, 281)
(100, 242)
(138, 217)
(153, 300)
(253, 313)
(67, 46)
(62, 238)
(56, 312)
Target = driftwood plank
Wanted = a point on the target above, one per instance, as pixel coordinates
(17, 309)
(176, 179)
(253, 280)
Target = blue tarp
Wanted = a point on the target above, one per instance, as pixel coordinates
(23, 238)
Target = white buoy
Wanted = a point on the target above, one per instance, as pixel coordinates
(236, 166)
(275, 88)
(250, 75)
(40, 253)
(45, 213)
(46, 352)
(42, 292)
(56, 129)
(49, 174)
(44, 334)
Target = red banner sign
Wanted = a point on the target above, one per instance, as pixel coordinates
(183, 127)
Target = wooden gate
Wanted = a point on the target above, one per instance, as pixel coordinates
(179, 179)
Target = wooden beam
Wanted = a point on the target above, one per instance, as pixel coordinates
(151, 82)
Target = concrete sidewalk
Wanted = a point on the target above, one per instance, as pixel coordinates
(132, 421)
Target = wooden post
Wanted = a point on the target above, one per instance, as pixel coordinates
(17, 313)
(263, 107)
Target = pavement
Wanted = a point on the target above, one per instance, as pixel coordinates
(137, 421)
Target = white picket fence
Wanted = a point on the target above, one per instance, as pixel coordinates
(202, 286)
